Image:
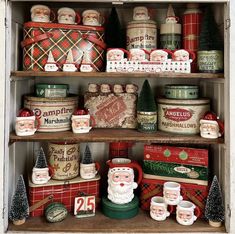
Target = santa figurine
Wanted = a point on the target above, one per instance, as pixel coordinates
(40, 13)
(210, 126)
(51, 65)
(91, 17)
(26, 123)
(69, 65)
(66, 15)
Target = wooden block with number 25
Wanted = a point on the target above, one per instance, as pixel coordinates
(84, 206)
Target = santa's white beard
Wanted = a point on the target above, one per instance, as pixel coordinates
(120, 194)
(184, 221)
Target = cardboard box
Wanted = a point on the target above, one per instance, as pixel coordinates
(62, 191)
(190, 192)
(182, 155)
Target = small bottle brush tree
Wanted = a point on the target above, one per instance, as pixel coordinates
(146, 110)
(87, 158)
(214, 210)
(41, 161)
(19, 209)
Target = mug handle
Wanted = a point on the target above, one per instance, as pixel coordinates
(136, 166)
(197, 211)
(52, 16)
(97, 166)
(92, 120)
(38, 122)
(78, 18)
(170, 208)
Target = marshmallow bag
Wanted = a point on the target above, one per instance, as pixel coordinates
(41, 38)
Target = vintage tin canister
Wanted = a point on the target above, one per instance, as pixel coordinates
(146, 121)
(178, 91)
(210, 61)
(52, 90)
(54, 114)
(63, 159)
(181, 116)
(141, 34)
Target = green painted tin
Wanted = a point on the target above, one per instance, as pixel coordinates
(120, 211)
(52, 90)
(179, 91)
(210, 61)
(55, 212)
(146, 121)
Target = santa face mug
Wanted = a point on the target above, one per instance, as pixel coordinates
(92, 18)
(138, 54)
(185, 213)
(40, 13)
(67, 15)
(159, 55)
(89, 171)
(40, 175)
(158, 209)
(171, 193)
(121, 182)
(26, 126)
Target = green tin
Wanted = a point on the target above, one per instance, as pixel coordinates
(120, 211)
(55, 212)
(146, 121)
(210, 61)
(179, 91)
(52, 90)
(170, 41)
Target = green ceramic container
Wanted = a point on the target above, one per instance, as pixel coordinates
(52, 90)
(120, 211)
(178, 91)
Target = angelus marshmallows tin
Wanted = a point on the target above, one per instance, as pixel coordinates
(180, 91)
(54, 114)
(181, 116)
(52, 90)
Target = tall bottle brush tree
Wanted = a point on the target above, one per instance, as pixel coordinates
(41, 161)
(87, 158)
(214, 210)
(19, 209)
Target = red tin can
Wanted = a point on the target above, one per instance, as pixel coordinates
(118, 150)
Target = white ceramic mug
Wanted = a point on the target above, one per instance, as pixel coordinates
(40, 175)
(92, 18)
(40, 13)
(171, 193)
(137, 54)
(185, 213)
(67, 15)
(26, 126)
(158, 208)
(89, 171)
(81, 123)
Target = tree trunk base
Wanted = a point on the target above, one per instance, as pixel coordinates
(19, 222)
(215, 224)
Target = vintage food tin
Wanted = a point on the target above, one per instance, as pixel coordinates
(147, 121)
(210, 61)
(178, 91)
(120, 211)
(54, 114)
(52, 90)
(141, 34)
(181, 116)
(63, 159)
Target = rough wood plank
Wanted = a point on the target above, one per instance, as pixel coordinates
(23, 74)
(114, 135)
(142, 223)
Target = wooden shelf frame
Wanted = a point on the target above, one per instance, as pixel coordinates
(115, 135)
(26, 74)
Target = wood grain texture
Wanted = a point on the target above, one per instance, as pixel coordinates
(114, 135)
(142, 223)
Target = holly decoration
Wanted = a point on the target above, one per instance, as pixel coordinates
(114, 37)
(214, 210)
(146, 102)
(210, 38)
(41, 161)
(19, 209)
(87, 158)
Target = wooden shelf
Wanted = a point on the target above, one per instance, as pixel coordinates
(23, 74)
(114, 135)
(142, 223)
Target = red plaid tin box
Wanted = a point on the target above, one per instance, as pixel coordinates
(61, 191)
(184, 155)
(42, 38)
(191, 192)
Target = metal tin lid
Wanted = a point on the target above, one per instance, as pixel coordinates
(52, 86)
(141, 23)
(181, 86)
(200, 101)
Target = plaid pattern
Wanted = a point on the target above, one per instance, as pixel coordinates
(64, 193)
(61, 41)
(190, 192)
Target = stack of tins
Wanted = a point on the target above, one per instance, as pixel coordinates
(192, 19)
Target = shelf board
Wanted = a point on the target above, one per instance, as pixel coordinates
(23, 74)
(142, 223)
(114, 135)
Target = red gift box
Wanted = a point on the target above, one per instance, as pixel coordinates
(62, 191)
(197, 194)
(184, 155)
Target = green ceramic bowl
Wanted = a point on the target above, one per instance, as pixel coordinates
(120, 211)
(52, 90)
(178, 91)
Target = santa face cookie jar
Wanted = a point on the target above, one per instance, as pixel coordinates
(121, 182)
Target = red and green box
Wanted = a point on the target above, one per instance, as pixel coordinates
(182, 155)
(190, 192)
